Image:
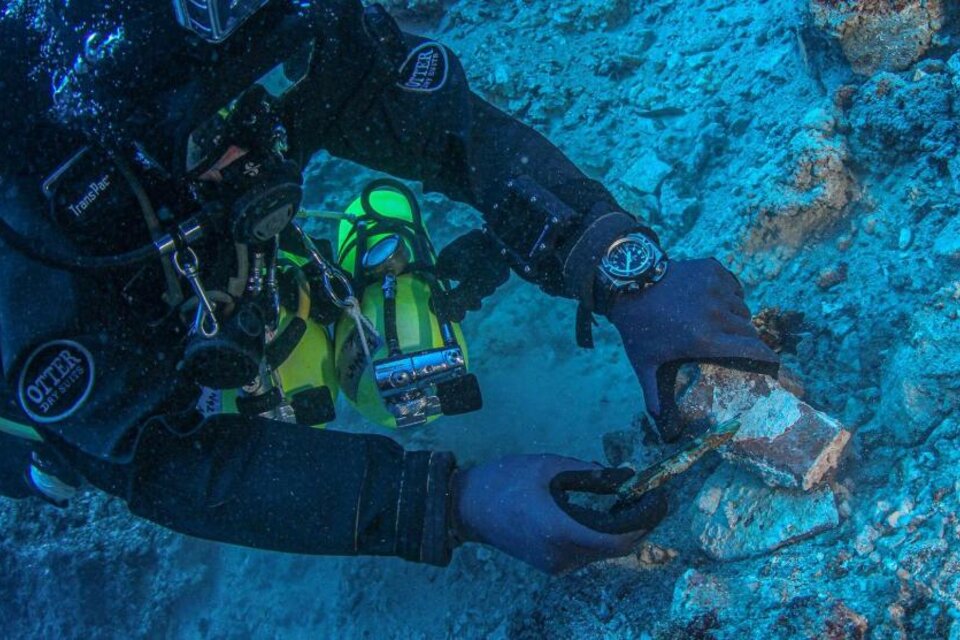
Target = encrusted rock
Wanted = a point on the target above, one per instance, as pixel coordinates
(697, 594)
(921, 383)
(947, 244)
(815, 193)
(647, 173)
(652, 556)
(783, 439)
(879, 35)
(893, 119)
(833, 276)
(736, 516)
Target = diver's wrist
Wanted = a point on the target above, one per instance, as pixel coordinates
(580, 266)
(629, 265)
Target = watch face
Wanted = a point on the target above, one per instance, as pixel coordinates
(629, 258)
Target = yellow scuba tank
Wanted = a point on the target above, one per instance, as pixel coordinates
(305, 378)
(419, 368)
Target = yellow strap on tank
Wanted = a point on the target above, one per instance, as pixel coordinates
(19, 430)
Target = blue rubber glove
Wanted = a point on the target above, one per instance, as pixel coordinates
(696, 313)
(520, 505)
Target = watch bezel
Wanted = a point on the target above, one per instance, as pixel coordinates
(649, 247)
(653, 273)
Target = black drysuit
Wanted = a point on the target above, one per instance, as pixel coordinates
(373, 95)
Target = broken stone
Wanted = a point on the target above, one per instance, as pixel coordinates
(880, 35)
(646, 174)
(650, 555)
(781, 438)
(921, 383)
(736, 516)
(947, 244)
(697, 594)
(812, 197)
(833, 276)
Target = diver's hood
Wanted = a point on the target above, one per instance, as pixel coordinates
(145, 80)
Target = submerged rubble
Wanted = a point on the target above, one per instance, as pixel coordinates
(782, 439)
(738, 516)
(880, 35)
(811, 145)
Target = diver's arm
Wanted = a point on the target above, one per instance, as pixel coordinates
(272, 485)
(355, 104)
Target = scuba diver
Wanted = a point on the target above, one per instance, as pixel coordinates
(155, 270)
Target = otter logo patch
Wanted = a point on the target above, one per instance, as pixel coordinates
(56, 380)
(425, 69)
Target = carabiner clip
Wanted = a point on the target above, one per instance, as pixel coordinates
(205, 322)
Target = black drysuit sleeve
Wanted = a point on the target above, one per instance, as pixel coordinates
(401, 104)
(272, 485)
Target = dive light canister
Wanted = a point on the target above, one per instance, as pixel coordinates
(378, 389)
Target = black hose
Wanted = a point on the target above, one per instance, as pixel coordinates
(390, 315)
(37, 250)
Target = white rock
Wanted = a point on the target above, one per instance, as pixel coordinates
(753, 519)
(647, 173)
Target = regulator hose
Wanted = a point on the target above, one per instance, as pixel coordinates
(72, 262)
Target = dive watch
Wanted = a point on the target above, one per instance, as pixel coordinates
(631, 263)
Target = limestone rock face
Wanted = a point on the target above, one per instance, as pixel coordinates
(814, 193)
(894, 119)
(737, 516)
(880, 35)
(947, 244)
(784, 440)
(646, 174)
(922, 382)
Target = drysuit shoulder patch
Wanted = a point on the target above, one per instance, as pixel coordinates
(426, 68)
(56, 380)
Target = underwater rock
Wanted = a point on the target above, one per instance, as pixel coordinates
(921, 382)
(815, 193)
(588, 16)
(893, 119)
(947, 244)
(833, 276)
(619, 446)
(647, 173)
(875, 35)
(781, 438)
(697, 594)
(677, 212)
(737, 516)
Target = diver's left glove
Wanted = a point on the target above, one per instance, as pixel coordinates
(696, 313)
(474, 262)
(521, 505)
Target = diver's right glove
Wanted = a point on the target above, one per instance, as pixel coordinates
(696, 313)
(521, 505)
